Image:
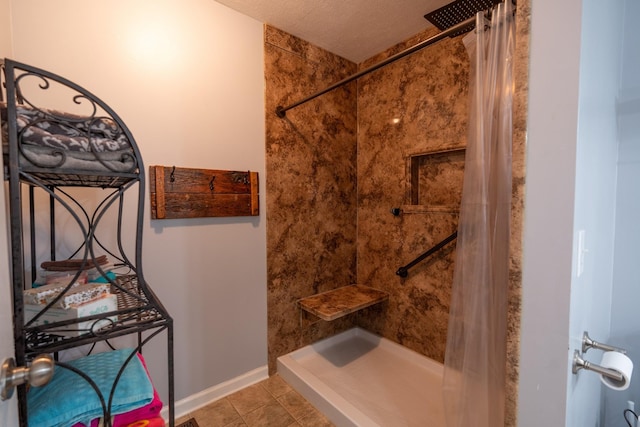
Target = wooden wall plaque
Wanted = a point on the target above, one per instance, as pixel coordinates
(196, 193)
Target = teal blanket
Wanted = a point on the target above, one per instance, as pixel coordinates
(69, 399)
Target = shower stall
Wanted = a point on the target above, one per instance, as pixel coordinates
(362, 176)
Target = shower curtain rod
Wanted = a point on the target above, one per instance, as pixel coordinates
(282, 111)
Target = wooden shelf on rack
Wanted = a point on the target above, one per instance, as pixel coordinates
(339, 302)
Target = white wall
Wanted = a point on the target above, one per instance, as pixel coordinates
(595, 199)
(571, 167)
(187, 79)
(8, 411)
(626, 281)
(548, 218)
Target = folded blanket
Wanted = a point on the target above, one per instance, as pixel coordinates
(137, 416)
(145, 422)
(152, 410)
(66, 131)
(54, 139)
(47, 157)
(69, 399)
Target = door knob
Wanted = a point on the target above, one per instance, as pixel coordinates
(38, 374)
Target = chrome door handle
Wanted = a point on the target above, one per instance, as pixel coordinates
(38, 374)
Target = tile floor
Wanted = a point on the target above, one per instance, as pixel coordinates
(269, 403)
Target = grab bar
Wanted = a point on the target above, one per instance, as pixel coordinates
(404, 271)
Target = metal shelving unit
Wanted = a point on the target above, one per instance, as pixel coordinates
(61, 176)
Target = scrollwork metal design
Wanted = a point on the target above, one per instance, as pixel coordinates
(87, 141)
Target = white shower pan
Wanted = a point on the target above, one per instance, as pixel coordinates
(357, 378)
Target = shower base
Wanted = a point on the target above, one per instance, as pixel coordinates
(357, 378)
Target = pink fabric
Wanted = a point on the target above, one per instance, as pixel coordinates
(152, 410)
(152, 422)
(149, 413)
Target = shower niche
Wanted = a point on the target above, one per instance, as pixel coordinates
(434, 181)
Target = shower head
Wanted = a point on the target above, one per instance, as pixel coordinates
(458, 11)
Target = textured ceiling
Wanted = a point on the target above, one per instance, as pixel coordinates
(353, 29)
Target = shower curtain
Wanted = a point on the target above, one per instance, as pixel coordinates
(475, 358)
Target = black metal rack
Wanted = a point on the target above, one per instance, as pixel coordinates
(116, 180)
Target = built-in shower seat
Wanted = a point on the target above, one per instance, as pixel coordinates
(339, 302)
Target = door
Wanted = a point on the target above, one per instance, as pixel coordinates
(8, 409)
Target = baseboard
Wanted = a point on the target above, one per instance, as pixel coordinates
(203, 398)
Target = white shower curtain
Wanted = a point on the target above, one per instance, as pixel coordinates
(475, 359)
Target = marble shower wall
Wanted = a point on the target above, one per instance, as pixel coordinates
(412, 123)
(518, 170)
(311, 188)
(326, 201)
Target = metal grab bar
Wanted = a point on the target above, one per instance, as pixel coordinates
(404, 271)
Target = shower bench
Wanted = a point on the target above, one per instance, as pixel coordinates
(339, 302)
